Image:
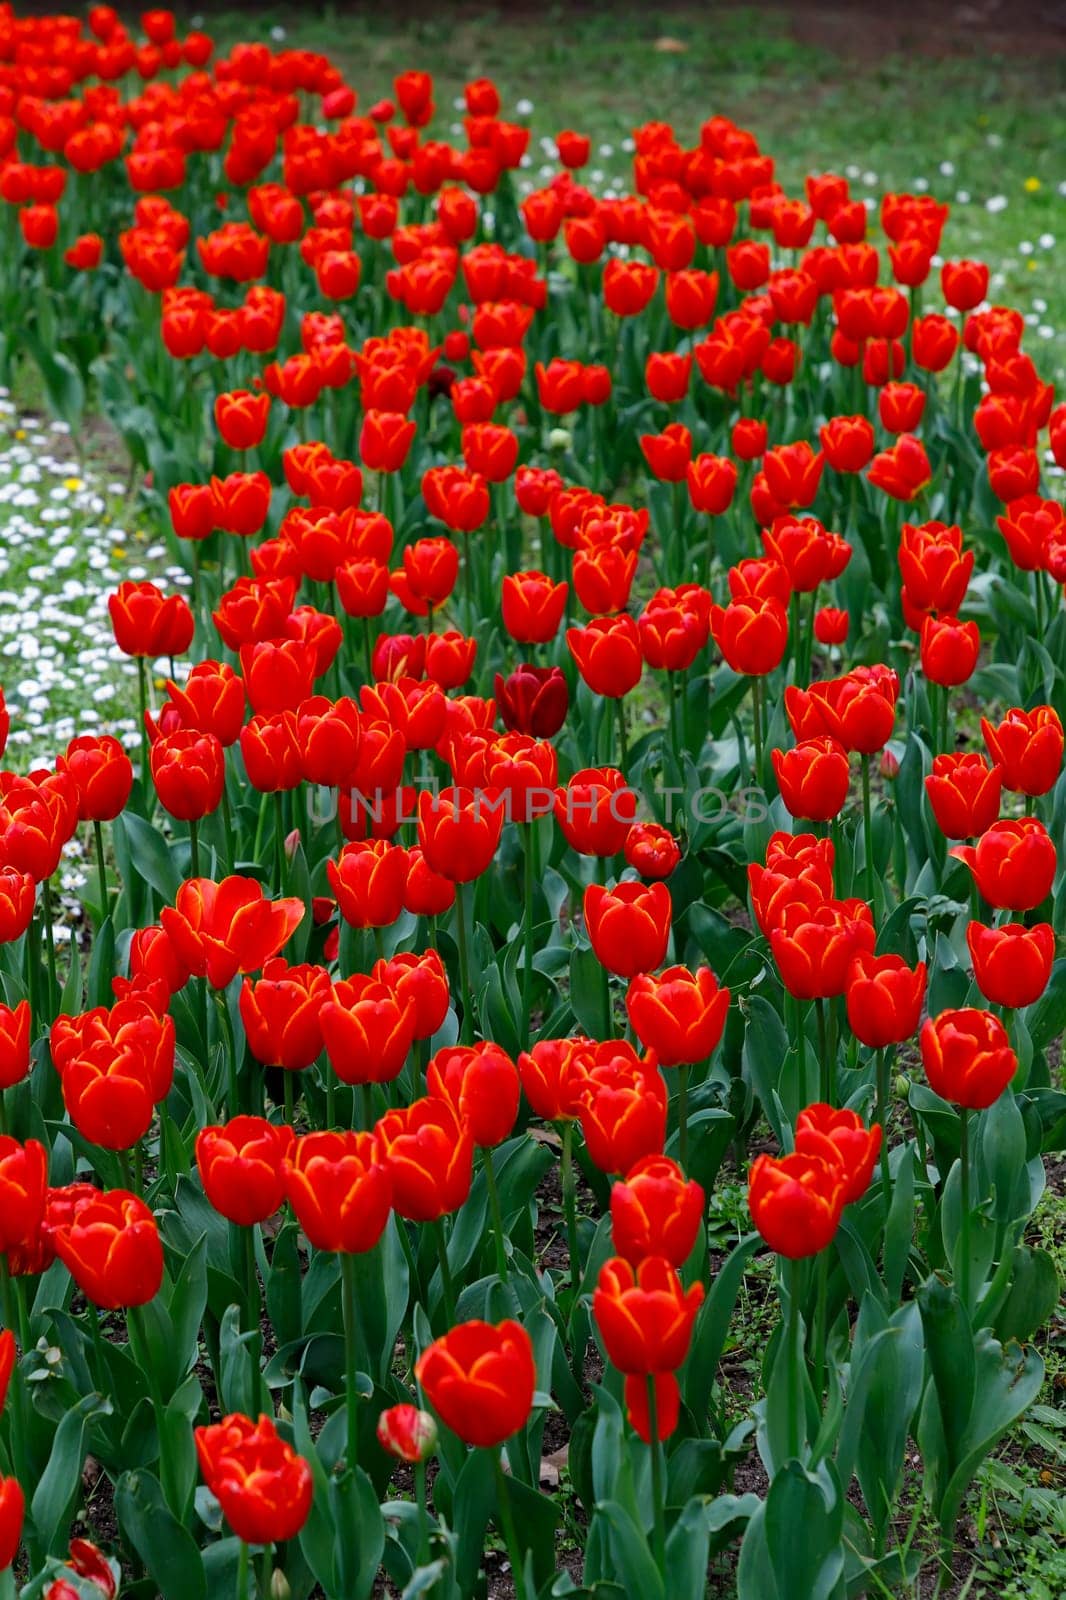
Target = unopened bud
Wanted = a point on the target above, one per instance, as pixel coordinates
(888, 766)
(407, 1433)
(559, 439)
(292, 844)
(279, 1585)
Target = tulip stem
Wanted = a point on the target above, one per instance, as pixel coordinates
(141, 1350)
(279, 840)
(251, 1283)
(194, 847)
(795, 1363)
(368, 653)
(655, 1446)
(867, 829)
(825, 1072)
(98, 1347)
(822, 1292)
(527, 969)
(447, 1287)
(244, 1572)
(883, 1069)
(682, 1115)
(230, 1045)
(31, 957)
(964, 1196)
(467, 1032)
(623, 743)
(50, 946)
(674, 682)
(801, 1051)
(15, 1322)
(423, 1515)
(266, 1571)
(350, 1359)
(503, 1499)
(468, 584)
(567, 1179)
(229, 851)
(101, 869)
(756, 707)
(497, 1214)
(605, 978)
(142, 694)
(1038, 590)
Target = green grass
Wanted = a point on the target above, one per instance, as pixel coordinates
(896, 121)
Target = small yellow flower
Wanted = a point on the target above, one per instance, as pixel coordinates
(1031, 266)
(118, 551)
(20, 433)
(1031, 185)
(73, 484)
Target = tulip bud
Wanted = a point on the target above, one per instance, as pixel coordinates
(407, 1433)
(292, 844)
(888, 765)
(279, 1585)
(559, 439)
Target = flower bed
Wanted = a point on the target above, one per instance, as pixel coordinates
(606, 750)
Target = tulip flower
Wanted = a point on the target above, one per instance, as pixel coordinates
(967, 1057)
(480, 1379)
(264, 1488)
(796, 1202)
(420, 984)
(220, 929)
(14, 1044)
(23, 1179)
(884, 998)
(595, 811)
(241, 1168)
(368, 1030)
(281, 1014)
(628, 926)
(1027, 747)
(949, 650)
(429, 1153)
(112, 1250)
(813, 778)
(651, 850)
(12, 1511)
(679, 1014)
(1011, 963)
(655, 1211)
(623, 1106)
(407, 1433)
(1013, 863)
(644, 1316)
(843, 1137)
(964, 793)
(554, 1076)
